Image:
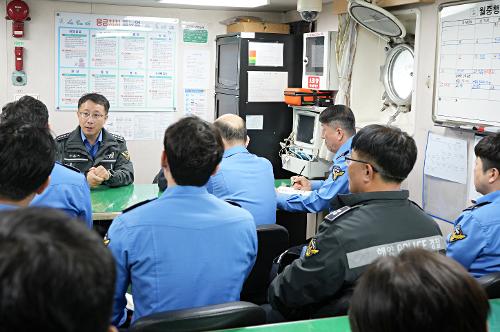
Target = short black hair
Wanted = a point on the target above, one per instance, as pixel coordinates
(488, 149)
(340, 115)
(55, 274)
(231, 133)
(194, 149)
(27, 156)
(96, 99)
(26, 110)
(418, 291)
(392, 151)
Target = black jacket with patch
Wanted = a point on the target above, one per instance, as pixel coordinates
(363, 227)
(112, 155)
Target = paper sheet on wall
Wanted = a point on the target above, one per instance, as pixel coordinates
(472, 193)
(196, 68)
(139, 126)
(267, 86)
(446, 158)
(130, 60)
(254, 122)
(265, 54)
(196, 103)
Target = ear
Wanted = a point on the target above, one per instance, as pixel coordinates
(43, 186)
(111, 328)
(164, 160)
(369, 172)
(215, 170)
(495, 175)
(248, 141)
(340, 133)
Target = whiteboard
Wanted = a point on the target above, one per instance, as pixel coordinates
(467, 86)
(130, 60)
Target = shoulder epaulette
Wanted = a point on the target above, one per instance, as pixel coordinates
(69, 167)
(337, 213)
(475, 206)
(232, 203)
(62, 137)
(343, 155)
(119, 138)
(130, 208)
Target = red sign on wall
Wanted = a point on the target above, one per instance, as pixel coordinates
(313, 82)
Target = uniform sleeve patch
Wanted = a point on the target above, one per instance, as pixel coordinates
(457, 234)
(337, 172)
(107, 240)
(126, 155)
(312, 248)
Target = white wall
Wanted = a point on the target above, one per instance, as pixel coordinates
(39, 63)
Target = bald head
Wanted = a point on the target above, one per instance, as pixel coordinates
(232, 129)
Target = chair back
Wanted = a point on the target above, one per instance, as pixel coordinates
(207, 318)
(491, 284)
(273, 240)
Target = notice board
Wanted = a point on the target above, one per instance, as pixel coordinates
(467, 86)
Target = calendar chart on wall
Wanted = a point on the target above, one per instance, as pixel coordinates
(131, 60)
(467, 87)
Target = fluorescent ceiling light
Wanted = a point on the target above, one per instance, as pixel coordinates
(219, 3)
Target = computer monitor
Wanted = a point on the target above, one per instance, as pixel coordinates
(307, 129)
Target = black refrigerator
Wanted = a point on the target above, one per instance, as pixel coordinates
(231, 89)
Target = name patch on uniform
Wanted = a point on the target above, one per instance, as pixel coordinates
(126, 155)
(312, 248)
(457, 234)
(337, 213)
(366, 256)
(337, 172)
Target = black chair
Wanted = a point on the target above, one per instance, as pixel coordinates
(212, 317)
(491, 284)
(273, 240)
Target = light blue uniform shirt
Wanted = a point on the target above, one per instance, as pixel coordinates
(185, 249)
(7, 207)
(248, 180)
(475, 242)
(91, 149)
(322, 191)
(69, 191)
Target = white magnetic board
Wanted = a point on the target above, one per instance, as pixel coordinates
(467, 86)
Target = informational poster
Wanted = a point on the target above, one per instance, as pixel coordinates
(196, 80)
(446, 158)
(196, 102)
(267, 86)
(139, 126)
(195, 33)
(130, 60)
(265, 54)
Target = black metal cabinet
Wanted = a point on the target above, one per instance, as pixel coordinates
(231, 90)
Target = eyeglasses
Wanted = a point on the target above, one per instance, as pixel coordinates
(349, 160)
(95, 116)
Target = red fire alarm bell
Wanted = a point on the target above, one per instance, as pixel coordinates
(18, 11)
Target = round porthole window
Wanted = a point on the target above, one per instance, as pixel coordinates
(398, 74)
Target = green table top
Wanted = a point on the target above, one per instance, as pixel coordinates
(341, 324)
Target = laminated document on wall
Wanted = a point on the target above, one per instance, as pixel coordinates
(446, 158)
(267, 86)
(265, 54)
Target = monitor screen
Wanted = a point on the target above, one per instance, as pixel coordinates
(305, 128)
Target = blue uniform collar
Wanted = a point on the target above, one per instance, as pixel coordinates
(86, 141)
(6, 207)
(184, 190)
(343, 150)
(234, 150)
(491, 197)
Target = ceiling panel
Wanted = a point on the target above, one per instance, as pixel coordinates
(274, 6)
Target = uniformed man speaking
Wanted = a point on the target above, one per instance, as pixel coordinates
(103, 157)
(377, 219)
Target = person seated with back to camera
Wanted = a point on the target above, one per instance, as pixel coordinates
(475, 241)
(418, 291)
(102, 156)
(27, 155)
(187, 248)
(68, 189)
(338, 128)
(55, 274)
(376, 219)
